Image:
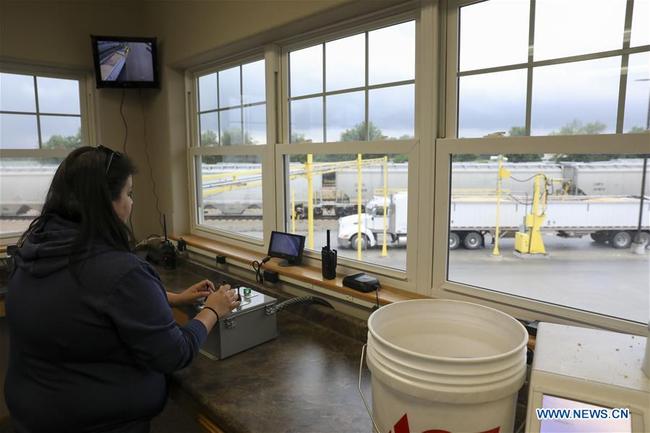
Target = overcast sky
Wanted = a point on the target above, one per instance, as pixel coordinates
(492, 34)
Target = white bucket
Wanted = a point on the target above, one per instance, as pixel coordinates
(445, 366)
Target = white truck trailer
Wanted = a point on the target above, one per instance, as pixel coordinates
(612, 219)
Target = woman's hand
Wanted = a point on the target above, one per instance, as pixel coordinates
(224, 300)
(196, 291)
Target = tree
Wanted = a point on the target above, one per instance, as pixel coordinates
(61, 142)
(517, 131)
(359, 131)
(576, 127)
(298, 138)
(208, 138)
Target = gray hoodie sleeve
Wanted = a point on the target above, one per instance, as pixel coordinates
(138, 307)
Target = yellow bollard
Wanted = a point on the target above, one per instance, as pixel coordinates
(384, 247)
(359, 184)
(293, 211)
(310, 201)
(503, 173)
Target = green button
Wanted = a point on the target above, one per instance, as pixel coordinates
(247, 291)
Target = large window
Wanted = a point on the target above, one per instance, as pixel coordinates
(340, 136)
(546, 223)
(358, 89)
(362, 200)
(41, 119)
(552, 67)
(231, 137)
(565, 225)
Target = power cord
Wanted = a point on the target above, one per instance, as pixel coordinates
(257, 267)
(301, 300)
(126, 127)
(146, 152)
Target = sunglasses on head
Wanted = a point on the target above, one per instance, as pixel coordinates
(110, 155)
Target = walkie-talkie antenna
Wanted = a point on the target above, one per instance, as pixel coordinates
(328, 240)
(165, 227)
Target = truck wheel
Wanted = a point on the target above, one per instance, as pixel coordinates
(599, 237)
(364, 242)
(621, 240)
(454, 241)
(473, 241)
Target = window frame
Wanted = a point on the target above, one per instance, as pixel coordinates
(453, 74)
(263, 151)
(444, 147)
(405, 279)
(87, 114)
(524, 308)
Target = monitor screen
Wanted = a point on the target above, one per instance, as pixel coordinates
(125, 62)
(573, 416)
(287, 246)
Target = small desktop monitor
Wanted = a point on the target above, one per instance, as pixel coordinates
(125, 62)
(287, 246)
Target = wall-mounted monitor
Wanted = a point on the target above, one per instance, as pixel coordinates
(125, 62)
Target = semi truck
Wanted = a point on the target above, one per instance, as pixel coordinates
(473, 219)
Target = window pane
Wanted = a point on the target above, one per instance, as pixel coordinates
(209, 129)
(345, 63)
(229, 90)
(307, 120)
(586, 238)
(345, 117)
(576, 98)
(208, 92)
(231, 126)
(60, 132)
(637, 96)
(640, 23)
(254, 82)
(335, 205)
(255, 124)
(18, 131)
(391, 54)
(567, 28)
(23, 185)
(17, 93)
(391, 112)
(306, 71)
(490, 103)
(58, 96)
(230, 196)
(493, 33)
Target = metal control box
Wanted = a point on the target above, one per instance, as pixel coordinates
(253, 323)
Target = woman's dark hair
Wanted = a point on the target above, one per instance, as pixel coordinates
(82, 190)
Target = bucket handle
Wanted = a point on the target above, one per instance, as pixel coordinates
(365, 403)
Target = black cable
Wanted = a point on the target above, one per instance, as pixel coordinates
(126, 127)
(257, 267)
(146, 152)
(301, 300)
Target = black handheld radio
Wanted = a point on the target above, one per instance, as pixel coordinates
(328, 257)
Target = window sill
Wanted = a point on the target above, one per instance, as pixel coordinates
(306, 274)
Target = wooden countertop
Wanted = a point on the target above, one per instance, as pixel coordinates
(307, 274)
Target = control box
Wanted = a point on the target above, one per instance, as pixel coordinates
(252, 323)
